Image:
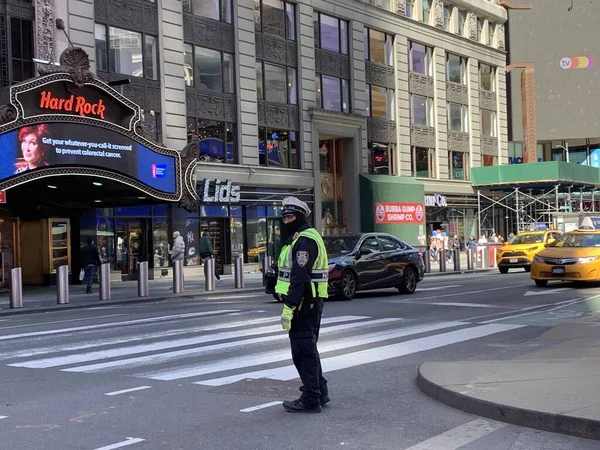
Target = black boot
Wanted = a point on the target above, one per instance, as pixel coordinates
(324, 398)
(297, 406)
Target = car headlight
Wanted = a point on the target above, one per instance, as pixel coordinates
(532, 249)
(589, 259)
(538, 259)
(499, 251)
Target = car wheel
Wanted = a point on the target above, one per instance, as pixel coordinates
(277, 297)
(541, 283)
(528, 269)
(503, 269)
(409, 281)
(348, 285)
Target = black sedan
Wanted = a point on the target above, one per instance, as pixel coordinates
(359, 262)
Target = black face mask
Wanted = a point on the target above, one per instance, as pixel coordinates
(289, 229)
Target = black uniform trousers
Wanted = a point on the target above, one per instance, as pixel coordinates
(304, 335)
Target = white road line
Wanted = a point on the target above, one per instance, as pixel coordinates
(62, 321)
(461, 293)
(125, 391)
(117, 324)
(3, 417)
(372, 355)
(439, 288)
(565, 304)
(162, 345)
(159, 358)
(129, 441)
(263, 406)
(528, 308)
(468, 305)
(259, 359)
(234, 296)
(460, 436)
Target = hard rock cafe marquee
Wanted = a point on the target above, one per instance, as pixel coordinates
(67, 125)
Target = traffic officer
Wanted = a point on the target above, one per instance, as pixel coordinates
(302, 282)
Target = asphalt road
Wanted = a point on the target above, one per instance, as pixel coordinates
(210, 374)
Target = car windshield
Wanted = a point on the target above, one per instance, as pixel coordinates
(577, 240)
(339, 245)
(527, 239)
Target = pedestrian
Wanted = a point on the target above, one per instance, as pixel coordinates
(302, 282)
(205, 249)
(90, 257)
(178, 250)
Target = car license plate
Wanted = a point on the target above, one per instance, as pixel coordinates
(558, 271)
(513, 260)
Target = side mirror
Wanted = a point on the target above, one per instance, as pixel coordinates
(364, 251)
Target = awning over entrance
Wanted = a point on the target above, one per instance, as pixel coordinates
(535, 176)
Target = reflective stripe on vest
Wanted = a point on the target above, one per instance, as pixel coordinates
(320, 269)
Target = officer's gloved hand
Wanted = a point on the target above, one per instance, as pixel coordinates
(286, 317)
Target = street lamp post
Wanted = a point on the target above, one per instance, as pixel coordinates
(565, 149)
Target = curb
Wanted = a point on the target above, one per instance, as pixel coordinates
(56, 308)
(554, 423)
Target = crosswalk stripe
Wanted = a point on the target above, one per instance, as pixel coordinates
(276, 356)
(143, 348)
(460, 436)
(158, 358)
(116, 324)
(372, 355)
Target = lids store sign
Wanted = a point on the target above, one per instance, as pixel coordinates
(217, 191)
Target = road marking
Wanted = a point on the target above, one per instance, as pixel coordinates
(461, 293)
(546, 291)
(564, 304)
(158, 358)
(469, 305)
(234, 296)
(439, 288)
(263, 406)
(528, 308)
(61, 321)
(117, 324)
(377, 354)
(3, 417)
(162, 345)
(259, 359)
(460, 436)
(124, 391)
(129, 441)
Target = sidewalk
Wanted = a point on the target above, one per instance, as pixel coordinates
(41, 299)
(554, 389)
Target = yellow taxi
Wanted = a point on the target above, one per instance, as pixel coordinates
(574, 256)
(518, 253)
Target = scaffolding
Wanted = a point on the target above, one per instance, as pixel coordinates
(506, 212)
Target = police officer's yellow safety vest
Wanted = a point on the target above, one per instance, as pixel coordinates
(320, 268)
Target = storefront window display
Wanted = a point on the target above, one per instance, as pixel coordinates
(263, 232)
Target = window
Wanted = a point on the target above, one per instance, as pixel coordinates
(188, 64)
(422, 162)
(447, 17)
(458, 117)
(480, 31)
(462, 20)
(217, 140)
(278, 148)
(489, 160)
(456, 68)
(420, 59)
(275, 17)
(151, 124)
(333, 94)
(410, 6)
(425, 10)
(333, 33)
(458, 165)
(488, 123)
(378, 47)
(126, 52)
(380, 102)
(370, 243)
(487, 78)
(210, 9)
(21, 37)
(213, 70)
(380, 158)
(276, 83)
(421, 111)
(389, 244)
(491, 27)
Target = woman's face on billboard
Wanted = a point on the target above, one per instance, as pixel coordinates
(32, 153)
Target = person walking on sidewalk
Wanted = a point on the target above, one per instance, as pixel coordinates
(90, 257)
(205, 249)
(302, 280)
(178, 250)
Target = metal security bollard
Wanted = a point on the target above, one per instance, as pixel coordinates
(178, 276)
(456, 255)
(495, 264)
(267, 264)
(62, 285)
(104, 279)
(427, 261)
(16, 288)
(209, 274)
(239, 273)
(442, 260)
(469, 259)
(143, 290)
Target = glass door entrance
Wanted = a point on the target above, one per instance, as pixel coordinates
(132, 246)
